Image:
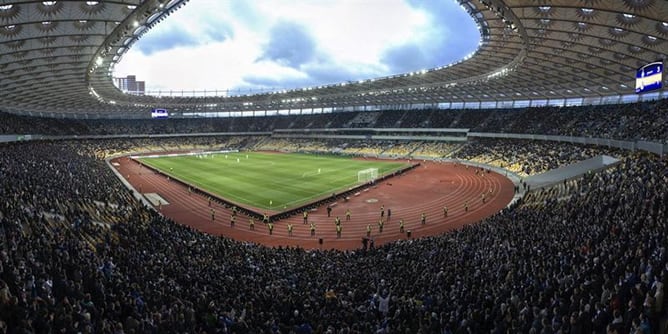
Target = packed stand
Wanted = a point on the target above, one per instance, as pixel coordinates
(435, 150)
(527, 157)
(401, 149)
(593, 263)
(637, 121)
(105, 148)
(390, 119)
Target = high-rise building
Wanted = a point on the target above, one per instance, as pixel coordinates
(141, 88)
(130, 85)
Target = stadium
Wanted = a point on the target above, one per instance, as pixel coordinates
(521, 189)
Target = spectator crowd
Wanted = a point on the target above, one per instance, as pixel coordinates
(591, 262)
(526, 157)
(636, 121)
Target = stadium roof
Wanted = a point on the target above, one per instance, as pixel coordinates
(57, 57)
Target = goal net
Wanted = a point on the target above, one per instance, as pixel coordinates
(366, 175)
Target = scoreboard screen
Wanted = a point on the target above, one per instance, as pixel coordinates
(649, 77)
(159, 113)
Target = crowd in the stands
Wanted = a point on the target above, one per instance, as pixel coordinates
(527, 157)
(639, 121)
(109, 147)
(524, 157)
(593, 262)
(361, 147)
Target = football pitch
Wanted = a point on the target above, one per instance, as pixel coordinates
(269, 180)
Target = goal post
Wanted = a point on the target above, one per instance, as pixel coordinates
(367, 175)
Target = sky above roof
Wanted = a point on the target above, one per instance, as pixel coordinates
(246, 46)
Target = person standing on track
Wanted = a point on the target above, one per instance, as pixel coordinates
(312, 229)
(445, 211)
(290, 230)
(271, 228)
(347, 214)
(305, 214)
(251, 224)
(401, 226)
(338, 230)
(423, 218)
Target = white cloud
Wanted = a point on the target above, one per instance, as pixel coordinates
(350, 30)
(218, 65)
(220, 44)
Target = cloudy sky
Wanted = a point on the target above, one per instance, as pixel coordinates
(277, 44)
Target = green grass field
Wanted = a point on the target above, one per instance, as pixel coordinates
(258, 179)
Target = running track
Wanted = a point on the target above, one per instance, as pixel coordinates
(425, 189)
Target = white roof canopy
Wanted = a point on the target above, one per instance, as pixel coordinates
(57, 56)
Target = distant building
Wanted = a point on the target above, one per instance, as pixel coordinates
(130, 85)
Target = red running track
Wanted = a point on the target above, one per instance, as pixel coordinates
(427, 189)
